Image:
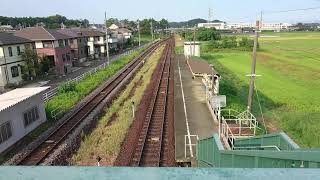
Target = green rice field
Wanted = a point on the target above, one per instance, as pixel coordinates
(289, 86)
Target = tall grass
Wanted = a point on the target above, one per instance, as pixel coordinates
(69, 95)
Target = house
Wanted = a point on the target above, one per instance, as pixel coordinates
(11, 48)
(96, 42)
(123, 34)
(78, 45)
(21, 111)
(52, 44)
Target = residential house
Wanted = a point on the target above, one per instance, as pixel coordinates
(96, 42)
(52, 44)
(11, 48)
(78, 45)
(123, 34)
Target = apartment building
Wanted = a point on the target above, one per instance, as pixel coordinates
(11, 48)
(52, 44)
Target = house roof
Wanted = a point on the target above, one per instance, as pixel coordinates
(114, 27)
(8, 38)
(124, 30)
(90, 32)
(70, 32)
(40, 33)
(18, 95)
(201, 67)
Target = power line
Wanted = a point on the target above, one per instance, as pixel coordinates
(291, 10)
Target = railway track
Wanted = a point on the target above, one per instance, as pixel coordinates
(152, 146)
(110, 90)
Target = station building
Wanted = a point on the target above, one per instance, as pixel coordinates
(21, 111)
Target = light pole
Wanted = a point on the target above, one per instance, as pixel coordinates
(107, 39)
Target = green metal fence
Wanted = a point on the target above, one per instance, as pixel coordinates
(270, 151)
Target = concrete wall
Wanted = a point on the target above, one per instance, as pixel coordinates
(189, 50)
(14, 115)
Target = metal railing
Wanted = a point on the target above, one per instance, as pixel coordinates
(53, 92)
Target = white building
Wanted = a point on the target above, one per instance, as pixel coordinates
(191, 49)
(219, 26)
(21, 111)
(264, 27)
(11, 48)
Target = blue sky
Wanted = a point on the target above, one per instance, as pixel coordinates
(173, 10)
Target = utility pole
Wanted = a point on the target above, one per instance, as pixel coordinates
(107, 38)
(254, 62)
(151, 28)
(194, 40)
(139, 32)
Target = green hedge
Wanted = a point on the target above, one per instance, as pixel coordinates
(70, 94)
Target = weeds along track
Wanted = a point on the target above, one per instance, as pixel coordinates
(154, 138)
(110, 91)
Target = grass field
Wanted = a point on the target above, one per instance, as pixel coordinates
(289, 88)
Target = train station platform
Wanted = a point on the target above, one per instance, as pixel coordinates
(191, 114)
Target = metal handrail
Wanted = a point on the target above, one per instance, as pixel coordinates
(256, 147)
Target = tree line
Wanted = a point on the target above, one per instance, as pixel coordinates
(51, 22)
(145, 24)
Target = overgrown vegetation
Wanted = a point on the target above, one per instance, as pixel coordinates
(106, 139)
(70, 94)
(34, 66)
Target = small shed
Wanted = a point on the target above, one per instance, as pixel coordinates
(192, 49)
(21, 111)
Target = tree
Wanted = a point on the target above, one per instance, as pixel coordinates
(31, 66)
(163, 24)
(111, 21)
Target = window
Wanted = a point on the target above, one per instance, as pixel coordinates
(18, 50)
(31, 116)
(47, 44)
(14, 71)
(10, 51)
(80, 40)
(5, 132)
(68, 56)
(63, 57)
(66, 42)
(61, 43)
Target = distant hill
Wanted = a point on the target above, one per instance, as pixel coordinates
(190, 23)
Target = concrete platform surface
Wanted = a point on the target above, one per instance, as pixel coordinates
(192, 116)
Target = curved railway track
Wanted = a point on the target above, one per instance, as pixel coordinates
(152, 146)
(111, 88)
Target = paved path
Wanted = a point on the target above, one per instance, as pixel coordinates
(190, 110)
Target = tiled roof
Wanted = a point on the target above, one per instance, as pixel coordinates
(18, 95)
(40, 33)
(8, 38)
(70, 32)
